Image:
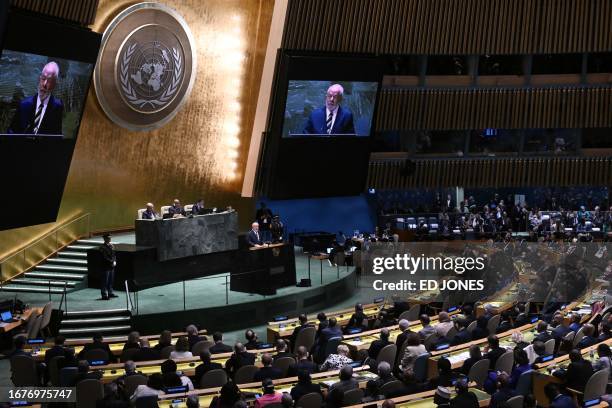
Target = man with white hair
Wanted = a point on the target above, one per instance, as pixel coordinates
(149, 213)
(254, 238)
(40, 114)
(331, 118)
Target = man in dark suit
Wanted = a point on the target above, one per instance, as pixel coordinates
(558, 400)
(240, 358)
(462, 336)
(303, 363)
(198, 207)
(494, 352)
(379, 344)
(85, 374)
(358, 319)
(331, 118)
(108, 274)
(219, 346)
(332, 330)
(253, 238)
(267, 371)
(145, 352)
(176, 209)
(542, 333)
(253, 342)
(97, 343)
(205, 367)
(149, 213)
(404, 328)
(281, 350)
(303, 319)
(41, 113)
(58, 349)
(578, 372)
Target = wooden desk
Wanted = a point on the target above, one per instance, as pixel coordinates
(21, 319)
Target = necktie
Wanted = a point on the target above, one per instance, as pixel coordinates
(38, 117)
(329, 123)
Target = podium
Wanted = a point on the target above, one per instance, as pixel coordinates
(264, 270)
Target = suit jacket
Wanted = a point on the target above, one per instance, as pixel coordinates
(578, 373)
(302, 365)
(176, 210)
(238, 360)
(149, 215)
(560, 331)
(317, 122)
(196, 209)
(252, 238)
(302, 389)
(462, 336)
(220, 348)
(375, 348)
(543, 337)
(203, 369)
(97, 345)
(267, 372)
(54, 352)
(467, 400)
(108, 253)
(23, 121)
(562, 401)
(493, 355)
(146, 353)
(330, 332)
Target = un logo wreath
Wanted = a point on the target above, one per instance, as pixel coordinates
(130, 93)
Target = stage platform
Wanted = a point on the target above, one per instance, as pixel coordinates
(208, 301)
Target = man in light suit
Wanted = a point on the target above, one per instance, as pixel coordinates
(253, 238)
(331, 118)
(40, 114)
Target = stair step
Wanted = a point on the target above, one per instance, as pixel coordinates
(71, 254)
(31, 289)
(94, 242)
(97, 320)
(55, 275)
(95, 312)
(67, 261)
(61, 268)
(100, 329)
(80, 247)
(42, 282)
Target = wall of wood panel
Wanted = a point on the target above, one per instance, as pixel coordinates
(115, 171)
(449, 26)
(498, 108)
(79, 11)
(497, 172)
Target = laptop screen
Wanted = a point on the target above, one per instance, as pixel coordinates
(6, 316)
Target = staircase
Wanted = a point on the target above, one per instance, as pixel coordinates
(68, 267)
(84, 324)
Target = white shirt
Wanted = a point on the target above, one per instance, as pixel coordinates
(334, 114)
(180, 354)
(144, 391)
(45, 102)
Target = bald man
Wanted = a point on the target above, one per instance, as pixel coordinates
(254, 238)
(40, 114)
(149, 213)
(331, 118)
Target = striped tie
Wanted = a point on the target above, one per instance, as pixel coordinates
(329, 123)
(38, 117)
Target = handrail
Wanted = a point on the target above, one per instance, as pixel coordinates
(128, 301)
(21, 253)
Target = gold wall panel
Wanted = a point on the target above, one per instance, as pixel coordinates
(201, 152)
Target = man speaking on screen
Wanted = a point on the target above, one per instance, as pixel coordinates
(40, 113)
(331, 119)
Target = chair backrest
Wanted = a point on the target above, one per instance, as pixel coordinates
(132, 382)
(200, 346)
(524, 385)
(569, 336)
(139, 213)
(340, 258)
(493, 323)
(67, 375)
(352, 397)
(306, 338)
(96, 354)
(30, 326)
(188, 208)
(147, 402)
(430, 341)
(515, 402)
(579, 336)
(46, 314)
(391, 388)
(472, 326)
(451, 333)
(387, 354)
(213, 378)
(283, 364)
(596, 386)
(549, 346)
(54, 370)
(420, 367)
(35, 328)
(23, 371)
(412, 313)
(505, 361)
(165, 352)
(245, 374)
(164, 209)
(330, 347)
(400, 352)
(88, 392)
(478, 372)
(312, 400)
(128, 354)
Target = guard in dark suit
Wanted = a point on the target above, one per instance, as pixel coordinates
(254, 238)
(41, 113)
(108, 275)
(331, 118)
